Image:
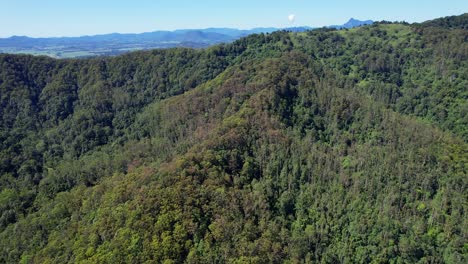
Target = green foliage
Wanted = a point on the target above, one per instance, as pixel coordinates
(321, 147)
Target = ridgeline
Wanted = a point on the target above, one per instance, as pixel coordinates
(325, 146)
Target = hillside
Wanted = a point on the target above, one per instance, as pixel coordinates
(328, 146)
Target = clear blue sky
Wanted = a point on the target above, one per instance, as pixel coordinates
(87, 17)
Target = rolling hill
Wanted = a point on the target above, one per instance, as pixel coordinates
(325, 146)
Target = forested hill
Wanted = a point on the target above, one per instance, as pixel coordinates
(327, 146)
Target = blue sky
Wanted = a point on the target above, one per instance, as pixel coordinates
(39, 18)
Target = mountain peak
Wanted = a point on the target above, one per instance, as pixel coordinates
(352, 22)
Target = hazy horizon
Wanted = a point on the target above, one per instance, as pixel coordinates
(54, 18)
(181, 29)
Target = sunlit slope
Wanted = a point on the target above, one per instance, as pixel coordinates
(326, 146)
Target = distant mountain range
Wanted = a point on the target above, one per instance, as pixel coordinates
(115, 43)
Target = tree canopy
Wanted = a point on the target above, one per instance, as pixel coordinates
(329, 146)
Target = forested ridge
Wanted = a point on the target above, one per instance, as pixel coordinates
(326, 146)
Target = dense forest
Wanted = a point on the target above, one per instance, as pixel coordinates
(325, 146)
